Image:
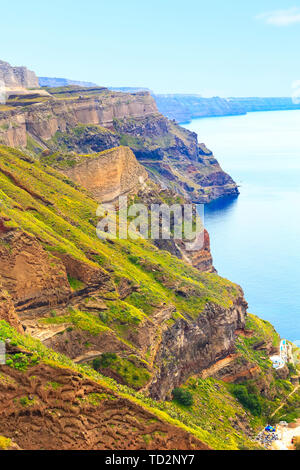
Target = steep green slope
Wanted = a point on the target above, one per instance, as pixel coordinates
(214, 413)
(144, 319)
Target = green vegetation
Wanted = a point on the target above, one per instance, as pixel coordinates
(132, 375)
(44, 203)
(21, 361)
(262, 332)
(199, 420)
(26, 401)
(182, 396)
(63, 218)
(5, 443)
(81, 320)
(250, 401)
(75, 283)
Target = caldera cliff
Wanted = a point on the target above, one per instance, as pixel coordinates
(87, 120)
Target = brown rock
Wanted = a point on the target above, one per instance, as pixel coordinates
(109, 174)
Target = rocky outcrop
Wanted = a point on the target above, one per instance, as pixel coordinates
(17, 77)
(189, 347)
(68, 120)
(201, 258)
(109, 174)
(57, 408)
(7, 310)
(175, 159)
(31, 275)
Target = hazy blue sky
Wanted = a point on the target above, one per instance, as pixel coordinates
(215, 47)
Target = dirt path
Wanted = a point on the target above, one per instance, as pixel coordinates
(282, 404)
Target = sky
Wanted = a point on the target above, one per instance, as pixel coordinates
(215, 47)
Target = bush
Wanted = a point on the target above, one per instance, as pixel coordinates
(96, 363)
(292, 369)
(105, 360)
(248, 400)
(184, 397)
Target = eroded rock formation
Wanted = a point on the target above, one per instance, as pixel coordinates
(17, 77)
(94, 119)
(110, 174)
(32, 276)
(187, 348)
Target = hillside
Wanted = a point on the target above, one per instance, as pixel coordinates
(87, 120)
(184, 108)
(123, 324)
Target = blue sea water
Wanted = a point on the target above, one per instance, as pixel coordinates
(255, 238)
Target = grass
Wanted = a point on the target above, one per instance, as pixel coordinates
(66, 224)
(166, 411)
(132, 375)
(44, 203)
(75, 284)
(81, 320)
(5, 443)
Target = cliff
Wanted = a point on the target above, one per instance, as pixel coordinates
(59, 82)
(253, 104)
(46, 402)
(184, 108)
(7, 310)
(133, 320)
(52, 260)
(110, 174)
(17, 77)
(89, 120)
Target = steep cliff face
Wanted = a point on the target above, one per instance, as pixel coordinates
(17, 77)
(124, 311)
(59, 82)
(187, 348)
(183, 108)
(95, 119)
(57, 407)
(175, 159)
(32, 276)
(110, 174)
(7, 310)
(117, 297)
(82, 106)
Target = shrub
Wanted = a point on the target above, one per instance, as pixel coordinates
(96, 363)
(107, 358)
(104, 360)
(248, 400)
(292, 369)
(182, 396)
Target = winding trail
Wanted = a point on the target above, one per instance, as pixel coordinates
(283, 403)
